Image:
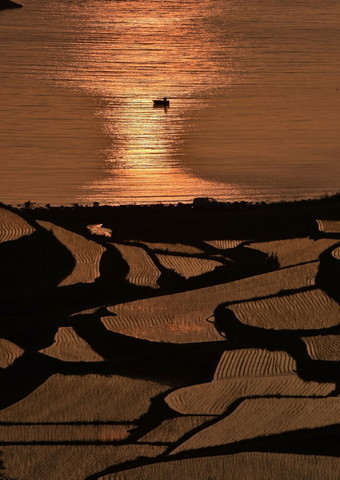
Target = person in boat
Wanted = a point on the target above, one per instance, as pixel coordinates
(164, 102)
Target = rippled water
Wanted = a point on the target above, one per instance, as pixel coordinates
(254, 95)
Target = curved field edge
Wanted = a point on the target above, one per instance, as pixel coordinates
(240, 466)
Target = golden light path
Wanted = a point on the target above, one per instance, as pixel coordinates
(254, 101)
(144, 160)
(147, 171)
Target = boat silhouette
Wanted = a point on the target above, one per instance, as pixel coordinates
(164, 102)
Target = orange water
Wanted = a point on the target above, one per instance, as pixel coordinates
(254, 111)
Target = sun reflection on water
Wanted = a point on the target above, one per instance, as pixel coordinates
(148, 169)
(253, 88)
(151, 61)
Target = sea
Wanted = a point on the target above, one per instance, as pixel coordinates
(254, 90)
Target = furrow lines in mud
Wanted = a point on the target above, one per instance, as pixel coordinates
(266, 416)
(188, 267)
(143, 272)
(9, 352)
(294, 250)
(69, 347)
(214, 398)
(87, 254)
(323, 347)
(254, 362)
(311, 309)
(12, 226)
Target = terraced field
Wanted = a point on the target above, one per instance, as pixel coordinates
(261, 417)
(87, 254)
(172, 430)
(294, 250)
(188, 266)
(254, 362)
(323, 347)
(59, 433)
(9, 352)
(87, 398)
(13, 226)
(214, 398)
(208, 372)
(181, 317)
(70, 347)
(142, 271)
(253, 465)
(74, 462)
(312, 309)
(329, 226)
(224, 244)
(173, 247)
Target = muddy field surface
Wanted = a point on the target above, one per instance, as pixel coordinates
(170, 342)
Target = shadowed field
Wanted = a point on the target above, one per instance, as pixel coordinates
(170, 342)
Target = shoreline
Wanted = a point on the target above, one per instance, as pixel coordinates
(196, 220)
(204, 201)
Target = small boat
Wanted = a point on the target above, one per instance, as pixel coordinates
(161, 102)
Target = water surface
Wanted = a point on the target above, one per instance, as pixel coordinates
(254, 94)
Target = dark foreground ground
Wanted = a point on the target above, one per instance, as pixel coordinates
(189, 222)
(196, 341)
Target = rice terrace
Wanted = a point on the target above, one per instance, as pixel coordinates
(161, 342)
(169, 240)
